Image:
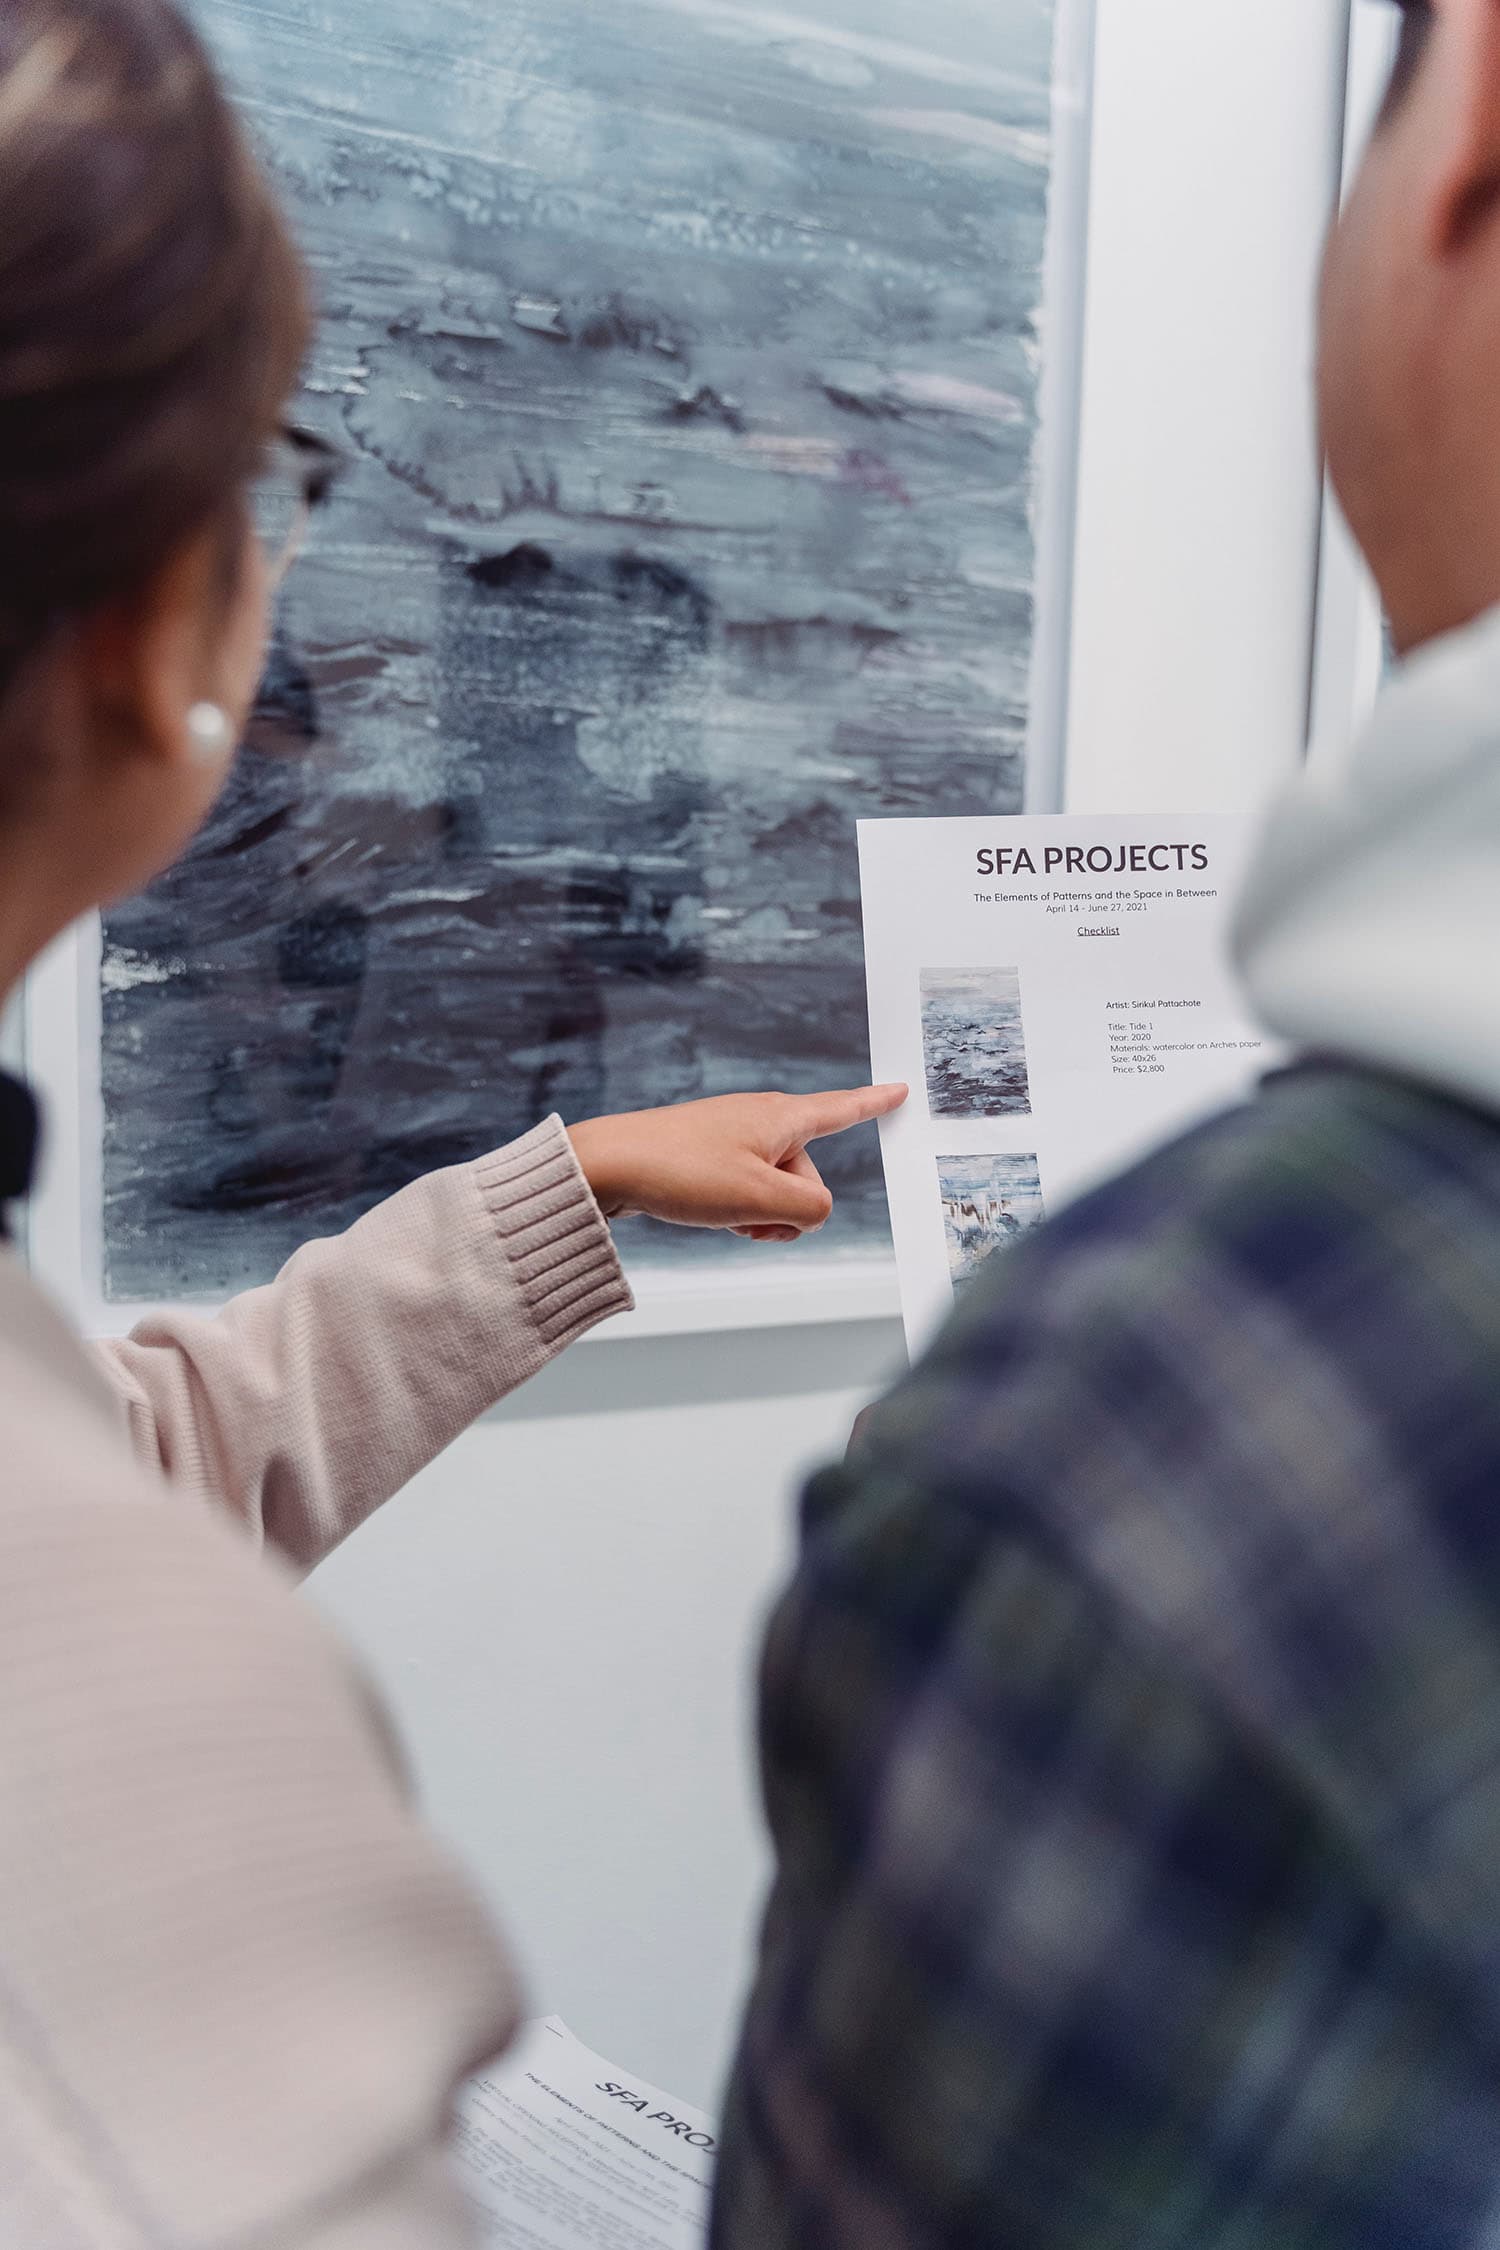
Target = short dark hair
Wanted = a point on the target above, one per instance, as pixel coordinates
(1416, 27)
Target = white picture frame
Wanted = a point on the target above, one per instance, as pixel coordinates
(60, 1016)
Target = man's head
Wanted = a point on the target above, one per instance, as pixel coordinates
(1410, 361)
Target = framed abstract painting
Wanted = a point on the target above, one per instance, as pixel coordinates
(705, 374)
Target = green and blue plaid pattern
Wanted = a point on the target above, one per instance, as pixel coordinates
(1131, 1731)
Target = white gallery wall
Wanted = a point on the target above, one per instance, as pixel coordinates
(564, 1612)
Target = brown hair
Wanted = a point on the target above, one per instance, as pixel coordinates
(153, 312)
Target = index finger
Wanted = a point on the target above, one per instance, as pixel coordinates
(815, 1116)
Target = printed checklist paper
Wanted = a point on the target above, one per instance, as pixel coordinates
(1058, 994)
(559, 2150)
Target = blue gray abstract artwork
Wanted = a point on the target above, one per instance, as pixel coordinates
(687, 355)
(989, 1202)
(974, 1043)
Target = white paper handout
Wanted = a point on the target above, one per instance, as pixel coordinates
(558, 2150)
(1057, 992)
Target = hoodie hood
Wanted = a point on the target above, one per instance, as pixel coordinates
(1370, 924)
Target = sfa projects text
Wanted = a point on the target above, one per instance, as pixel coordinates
(1101, 859)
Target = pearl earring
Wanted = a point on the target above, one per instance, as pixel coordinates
(208, 731)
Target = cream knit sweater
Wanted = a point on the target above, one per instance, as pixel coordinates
(238, 1981)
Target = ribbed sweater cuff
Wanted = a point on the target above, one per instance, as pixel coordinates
(554, 1235)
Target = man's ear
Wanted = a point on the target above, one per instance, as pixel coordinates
(1465, 67)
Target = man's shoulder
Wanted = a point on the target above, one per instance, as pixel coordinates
(1247, 1398)
(1253, 1380)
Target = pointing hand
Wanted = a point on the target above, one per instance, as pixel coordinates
(739, 1162)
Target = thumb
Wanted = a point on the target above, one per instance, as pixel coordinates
(793, 1194)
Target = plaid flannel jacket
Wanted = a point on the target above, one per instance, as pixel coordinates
(1131, 1730)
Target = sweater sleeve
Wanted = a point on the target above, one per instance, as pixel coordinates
(303, 1406)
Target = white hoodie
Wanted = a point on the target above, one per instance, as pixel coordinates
(1370, 926)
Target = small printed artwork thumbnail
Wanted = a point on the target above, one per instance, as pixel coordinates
(988, 1203)
(974, 1043)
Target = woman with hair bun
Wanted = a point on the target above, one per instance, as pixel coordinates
(238, 1982)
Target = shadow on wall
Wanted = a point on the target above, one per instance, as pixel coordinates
(717, 1370)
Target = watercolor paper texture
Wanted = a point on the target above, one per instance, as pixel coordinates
(686, 353)
(988, 1202)
(974, 1043)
